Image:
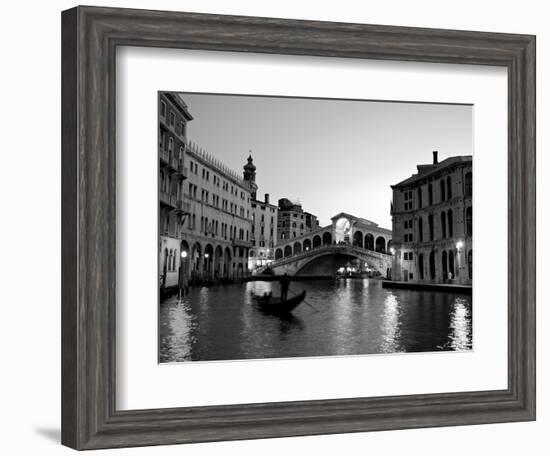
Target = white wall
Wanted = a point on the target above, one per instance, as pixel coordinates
(30, 193)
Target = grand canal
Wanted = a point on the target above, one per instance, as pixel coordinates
(340, 317)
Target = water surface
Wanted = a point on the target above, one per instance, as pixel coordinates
(342, 317)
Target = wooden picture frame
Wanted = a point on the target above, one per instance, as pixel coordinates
(90, 37)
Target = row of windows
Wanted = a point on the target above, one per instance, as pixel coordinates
(447, 262)
(263, 208)
(168, 145)
(216, 180)
(215, 228)
(293, 225)
(170, 226)
(262, 230)
(262, 218)
(445, 192)
(170, 260)
(215, 201)
(294, 214)
(261, 253)
(446, 225)
(172, 119)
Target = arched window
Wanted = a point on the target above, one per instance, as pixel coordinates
(165, 265)
(441, 190)
(452, 263)
(470, 264)
(288, 251)
(278, 254)
(251, 253)
(369, 242)
(380, 244)
(432, 265)
(171, 144)
(430, 195)
(419, 197)
(449, 190)
(358, 238)
(450, 222)
(469, 221)
(420, 230)
(431, 226)
(444, 265)
(443, 225)
(297, 248)
(468, 184)
(327, 238)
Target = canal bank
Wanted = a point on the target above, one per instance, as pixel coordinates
(419, 286)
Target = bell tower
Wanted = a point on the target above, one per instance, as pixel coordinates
(249, 175)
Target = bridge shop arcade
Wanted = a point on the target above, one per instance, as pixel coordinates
(324, 251)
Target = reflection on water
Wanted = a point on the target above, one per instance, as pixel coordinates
(390, 331)
(342, 317)
(461, 325)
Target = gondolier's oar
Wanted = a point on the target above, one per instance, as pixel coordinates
(313, 307)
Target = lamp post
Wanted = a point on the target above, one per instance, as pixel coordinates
(183, 274)
(207, 264)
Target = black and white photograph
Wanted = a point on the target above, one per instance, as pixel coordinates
(299, 227)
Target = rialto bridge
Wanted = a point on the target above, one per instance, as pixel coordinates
(323, 251)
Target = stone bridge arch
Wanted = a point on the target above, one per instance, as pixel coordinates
(297, 264)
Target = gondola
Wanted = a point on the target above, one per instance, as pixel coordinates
(274, 305)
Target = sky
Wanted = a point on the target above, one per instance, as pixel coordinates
(331, 155)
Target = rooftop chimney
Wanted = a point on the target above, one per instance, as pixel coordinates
(266, 198)
(435, 157)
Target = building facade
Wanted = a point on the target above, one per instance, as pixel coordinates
(293, 221)
(204, 207)
(173, 118)
(263, 231)
(432, 223)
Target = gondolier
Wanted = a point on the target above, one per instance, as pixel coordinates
(284, 281)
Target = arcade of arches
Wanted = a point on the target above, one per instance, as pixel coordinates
(366, 241)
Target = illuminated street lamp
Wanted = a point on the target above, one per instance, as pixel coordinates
(182, 274)
(392, 250)
(459, 245)
(207, 264)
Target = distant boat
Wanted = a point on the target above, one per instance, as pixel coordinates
(275, 305)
